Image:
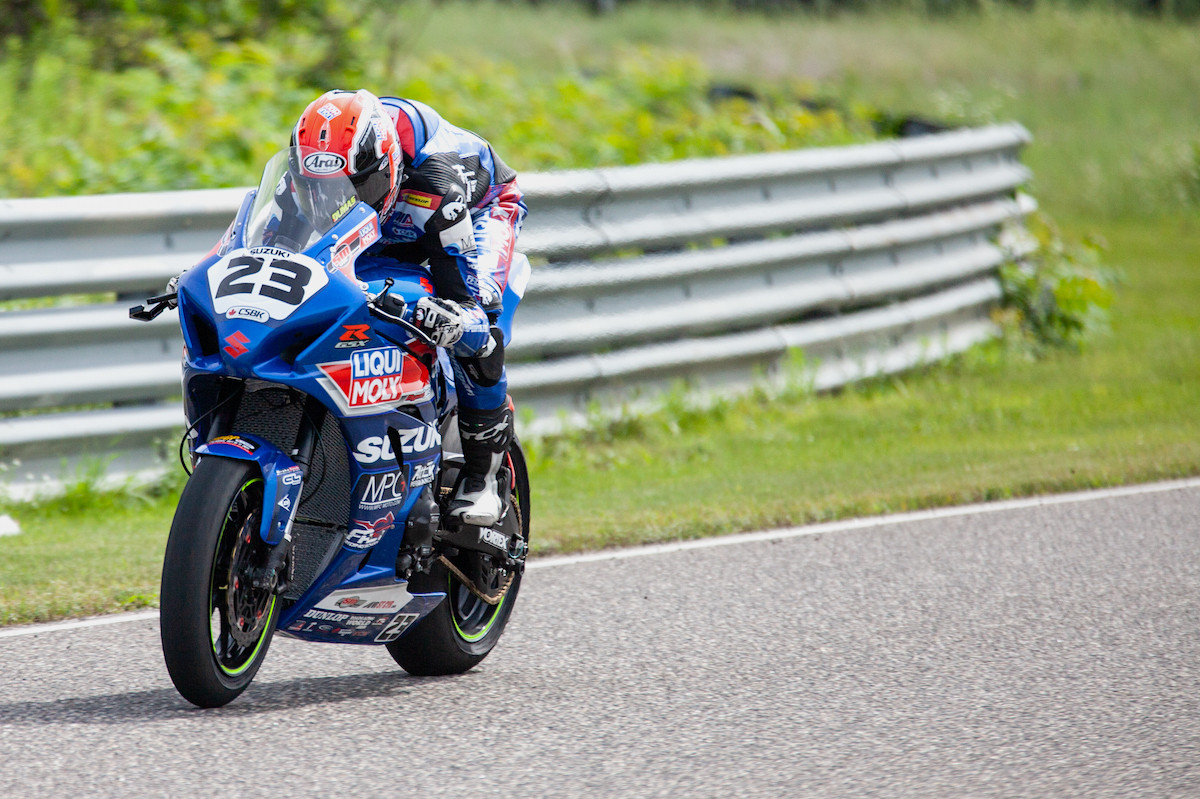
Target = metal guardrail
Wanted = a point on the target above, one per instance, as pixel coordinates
(869, 258)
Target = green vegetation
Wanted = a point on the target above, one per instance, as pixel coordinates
(1112, 101)
(85, 552)
(194, 109)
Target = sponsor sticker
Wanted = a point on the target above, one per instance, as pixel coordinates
(413, 441)
(367, 534)
(421, 199)
(373, 605)
(362, 600)
(236, 441)
(274, 252)
(290, 476)
(422, 474)
(380, 490)
(375, 378)
(493, 538)
(329, 111)
(323, 163)
(324, 615)
(236, 344)
(452, 209)
(467, 176)
(354, 242)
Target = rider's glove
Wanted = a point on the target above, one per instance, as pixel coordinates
(441, 320)
(172, 291)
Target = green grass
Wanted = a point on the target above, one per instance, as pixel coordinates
(84, 553)
(988, 425)
(1113, 103)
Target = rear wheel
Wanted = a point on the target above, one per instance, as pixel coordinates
(216, 626)
(463, 629)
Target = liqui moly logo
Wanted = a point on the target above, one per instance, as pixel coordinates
(375, 378)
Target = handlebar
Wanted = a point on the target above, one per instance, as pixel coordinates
(383, 305)
(157, 305)
(392, 309)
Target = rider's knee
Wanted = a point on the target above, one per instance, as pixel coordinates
(486, 370)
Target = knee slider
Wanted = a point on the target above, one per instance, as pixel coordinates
(486, 370)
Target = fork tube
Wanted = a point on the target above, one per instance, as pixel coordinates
(227, 402)
(306, 437)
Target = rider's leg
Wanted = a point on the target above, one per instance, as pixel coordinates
(486, 436)
(485, 418)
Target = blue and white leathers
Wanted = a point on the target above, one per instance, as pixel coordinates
(460, 211)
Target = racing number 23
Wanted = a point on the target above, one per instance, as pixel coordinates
(285, 282)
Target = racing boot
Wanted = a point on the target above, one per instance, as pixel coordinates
(486, 436)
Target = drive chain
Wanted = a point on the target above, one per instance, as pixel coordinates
(493, 599)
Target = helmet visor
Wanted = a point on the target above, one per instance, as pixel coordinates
(322, 190)
(374, 183)
(296, 204)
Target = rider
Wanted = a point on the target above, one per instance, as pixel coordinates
(443, 195)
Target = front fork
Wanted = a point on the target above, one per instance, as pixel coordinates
(283, 475)
(311, 421)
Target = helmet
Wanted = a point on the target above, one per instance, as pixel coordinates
(355, 128)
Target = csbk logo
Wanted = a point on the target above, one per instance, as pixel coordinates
(413, 441)
(374, 378)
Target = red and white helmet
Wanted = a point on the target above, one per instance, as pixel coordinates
(355, 127)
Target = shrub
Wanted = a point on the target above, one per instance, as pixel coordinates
(1057, 295)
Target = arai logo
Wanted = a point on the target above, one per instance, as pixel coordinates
(324, 163)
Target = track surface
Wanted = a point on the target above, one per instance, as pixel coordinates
(1038, 651)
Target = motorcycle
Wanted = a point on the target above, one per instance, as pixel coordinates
(324, 439)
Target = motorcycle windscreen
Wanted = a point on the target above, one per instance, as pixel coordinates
(302, 195)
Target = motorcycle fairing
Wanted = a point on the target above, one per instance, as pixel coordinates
(282, 479)
(369, 611)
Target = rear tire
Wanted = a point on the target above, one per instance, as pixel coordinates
(463, 629)
(215, 627)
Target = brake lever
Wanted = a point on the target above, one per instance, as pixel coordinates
(158, 304)
(376, 309)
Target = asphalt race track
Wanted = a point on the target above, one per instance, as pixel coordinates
(1023, 649)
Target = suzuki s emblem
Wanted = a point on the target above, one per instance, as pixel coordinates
(237, 342)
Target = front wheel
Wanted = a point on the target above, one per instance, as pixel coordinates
(464, 628)
(215, 625)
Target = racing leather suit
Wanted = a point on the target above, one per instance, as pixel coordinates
(460, 209)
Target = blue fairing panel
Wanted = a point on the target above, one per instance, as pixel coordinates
(282, 479)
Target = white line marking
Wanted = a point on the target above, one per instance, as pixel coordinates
(845, 525)
(863, 523)
(98, 621)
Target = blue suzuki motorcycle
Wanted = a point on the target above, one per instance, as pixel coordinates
(324, 439)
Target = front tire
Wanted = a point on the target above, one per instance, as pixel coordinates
(215, 626)
(463, 629)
